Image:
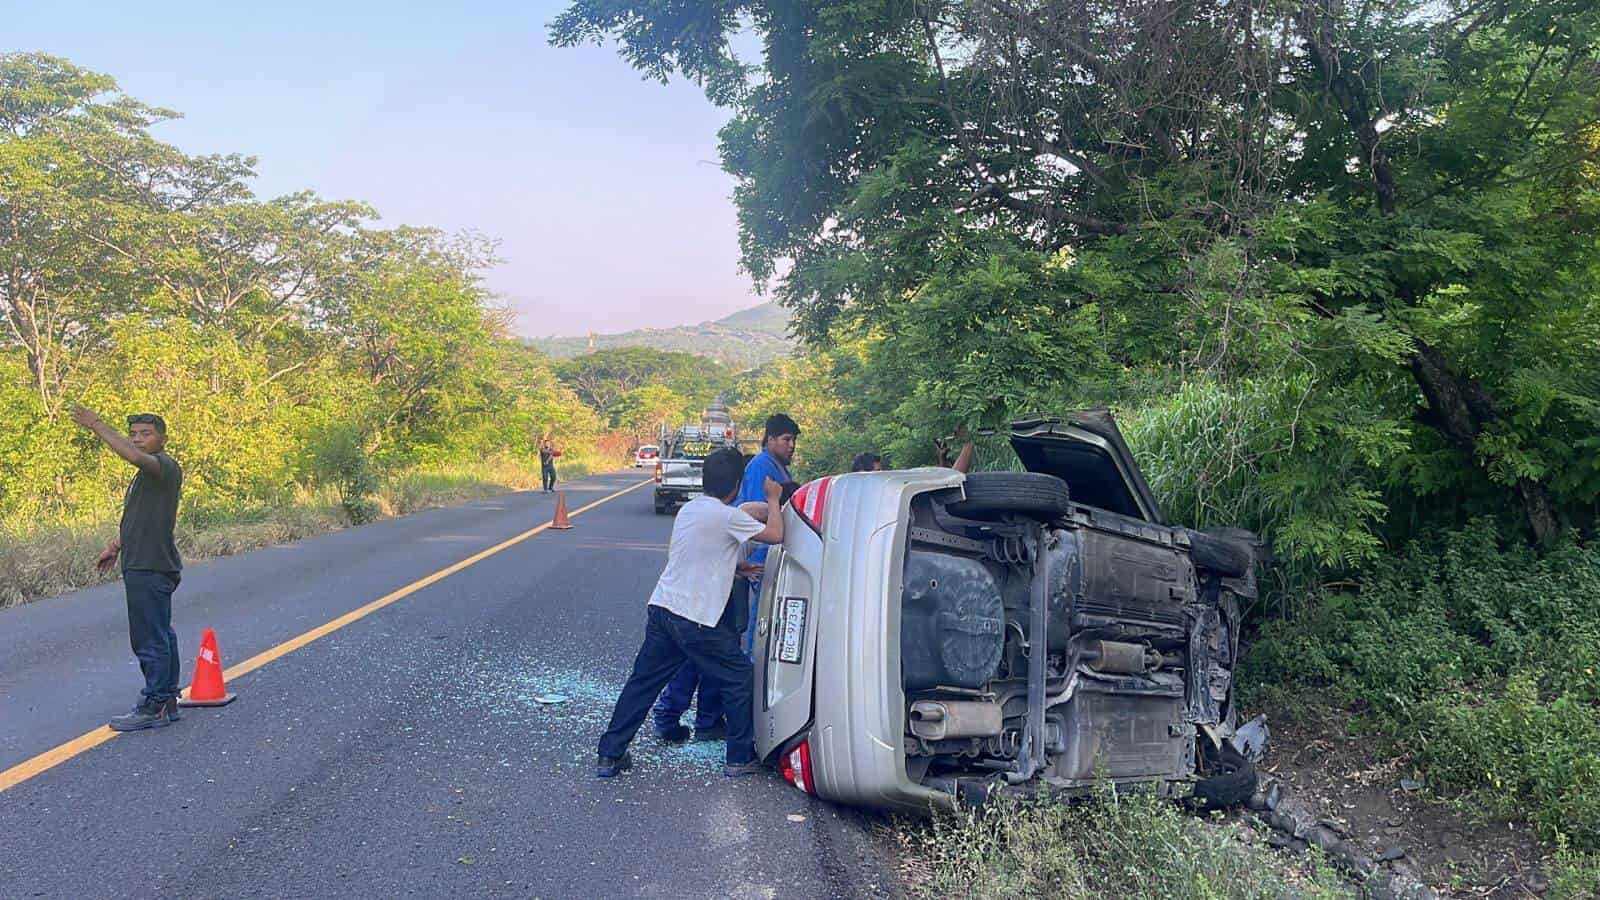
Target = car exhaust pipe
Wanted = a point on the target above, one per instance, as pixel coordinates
(935, 720)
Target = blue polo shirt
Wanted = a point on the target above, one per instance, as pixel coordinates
(762, 467)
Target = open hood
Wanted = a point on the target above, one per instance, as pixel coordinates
(1086, 450)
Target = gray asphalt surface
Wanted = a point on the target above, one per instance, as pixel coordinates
(406, 754)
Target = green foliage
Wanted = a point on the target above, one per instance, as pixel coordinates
(1389, 209)
(1474, 655)
(1297, 462)
(1134, 846)
(603, 378)
(292, 347)
(339, 460)
(1574, 875)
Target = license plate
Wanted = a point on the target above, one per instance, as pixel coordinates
(792, 637)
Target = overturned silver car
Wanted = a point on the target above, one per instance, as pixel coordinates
(925, 636)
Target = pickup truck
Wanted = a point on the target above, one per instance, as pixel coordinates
(678, 475)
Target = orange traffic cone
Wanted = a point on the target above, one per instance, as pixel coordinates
(207, 688)
(560, 521)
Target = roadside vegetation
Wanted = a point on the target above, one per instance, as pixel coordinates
(315, 370)
(1130, 846)
(1333, 265)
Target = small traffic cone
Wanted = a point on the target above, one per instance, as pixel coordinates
(560, 521)
(207, 688)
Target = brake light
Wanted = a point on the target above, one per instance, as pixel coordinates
(658, 473)
(811, 502)
(796, 767)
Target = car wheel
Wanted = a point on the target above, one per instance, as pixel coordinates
(1228, 556)
(993, 495)
(1231, 783)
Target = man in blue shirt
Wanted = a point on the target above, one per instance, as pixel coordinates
(777, 452)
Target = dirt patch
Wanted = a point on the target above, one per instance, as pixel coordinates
(1380, 805)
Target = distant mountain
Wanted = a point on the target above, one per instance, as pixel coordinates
(743, 340)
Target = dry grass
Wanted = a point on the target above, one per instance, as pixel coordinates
(45, 560)
(1129, 846)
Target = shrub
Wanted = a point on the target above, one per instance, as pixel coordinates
(1474, 655)
(339, 460)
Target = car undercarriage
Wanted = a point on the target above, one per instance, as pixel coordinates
(1050, 642)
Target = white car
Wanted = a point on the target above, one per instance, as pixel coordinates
(646, 456)
(925, 636)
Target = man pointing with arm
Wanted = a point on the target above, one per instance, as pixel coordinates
(151, 567)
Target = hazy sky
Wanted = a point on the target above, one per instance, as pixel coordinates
(602, 188)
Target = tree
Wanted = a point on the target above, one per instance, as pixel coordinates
(602, 378)
(641, 411)
(1400, 198)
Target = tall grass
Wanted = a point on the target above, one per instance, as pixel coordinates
(1128, 846)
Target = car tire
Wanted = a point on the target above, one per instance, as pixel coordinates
(1224, 554)
(1232, 782)
(994, 495)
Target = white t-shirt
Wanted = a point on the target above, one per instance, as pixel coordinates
(701, 559)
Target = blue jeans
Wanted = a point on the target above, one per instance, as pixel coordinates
(670, 640)
(750, 629)
(685, 688)
(150, 631)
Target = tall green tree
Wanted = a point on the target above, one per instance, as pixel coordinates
(1396, 201)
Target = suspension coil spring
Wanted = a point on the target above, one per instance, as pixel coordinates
(1012, 549)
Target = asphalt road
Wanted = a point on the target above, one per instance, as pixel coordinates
(405, 754)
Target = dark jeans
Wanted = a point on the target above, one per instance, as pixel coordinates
(150, 631)
(671, 640)
(549, 473)
(687, 685)
(685, 688)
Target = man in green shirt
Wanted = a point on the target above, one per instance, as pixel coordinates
(151, 566)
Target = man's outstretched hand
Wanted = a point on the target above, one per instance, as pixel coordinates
(86, 417)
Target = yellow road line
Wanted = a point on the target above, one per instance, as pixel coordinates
(57, 755)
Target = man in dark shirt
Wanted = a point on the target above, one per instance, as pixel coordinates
(547, 464)
(151, 566)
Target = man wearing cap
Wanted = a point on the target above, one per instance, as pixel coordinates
(151, 567)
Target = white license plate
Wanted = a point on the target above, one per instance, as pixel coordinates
(792, 638)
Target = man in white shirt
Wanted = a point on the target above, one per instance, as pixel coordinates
(687, 617)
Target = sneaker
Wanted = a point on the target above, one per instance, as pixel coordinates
(143, 716)
(752, 767)
(714, 733)
(170, 710)
(612, 766)
(677, 734)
